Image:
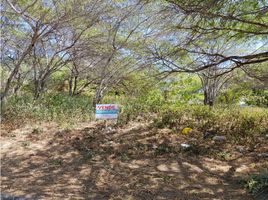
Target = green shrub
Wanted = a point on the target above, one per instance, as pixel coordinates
(258, 98)
(164, 149)
(51, 107)
(234, 121)
(256, 182)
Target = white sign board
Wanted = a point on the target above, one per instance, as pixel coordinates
(106, 111)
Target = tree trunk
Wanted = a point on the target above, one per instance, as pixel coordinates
(17, 66)
(71, 86)
(39, 88)
(14, 73)
(17, 89)
(18, 85)
(209, 98)
(98, 97)
(75, 86)
(227, 98)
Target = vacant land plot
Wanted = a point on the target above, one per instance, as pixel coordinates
(131, 162)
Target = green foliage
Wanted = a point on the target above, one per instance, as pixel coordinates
(224, 155)
(250, 87)
(168, 119)
(150, 102)
(175, 109)
(51, 107)
(232, 95)
(256, 182)
(184, 88)
(164, 149)
(234, 121)
(258, 98)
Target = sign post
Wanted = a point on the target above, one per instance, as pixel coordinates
(107, 111)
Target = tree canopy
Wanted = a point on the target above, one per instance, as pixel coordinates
(99, 43)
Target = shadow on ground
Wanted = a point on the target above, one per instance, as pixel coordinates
(97, 163)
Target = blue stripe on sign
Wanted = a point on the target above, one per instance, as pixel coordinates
(106, 111)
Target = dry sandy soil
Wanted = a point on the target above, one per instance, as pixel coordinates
(131, 162)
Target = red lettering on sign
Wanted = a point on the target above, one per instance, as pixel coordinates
(110, 107)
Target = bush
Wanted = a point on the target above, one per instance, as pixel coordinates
(258, 98)
(257, 182)
(51, 107)
(236, 122)
(144, 106)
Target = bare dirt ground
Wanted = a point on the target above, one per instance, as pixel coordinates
(132, 162)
